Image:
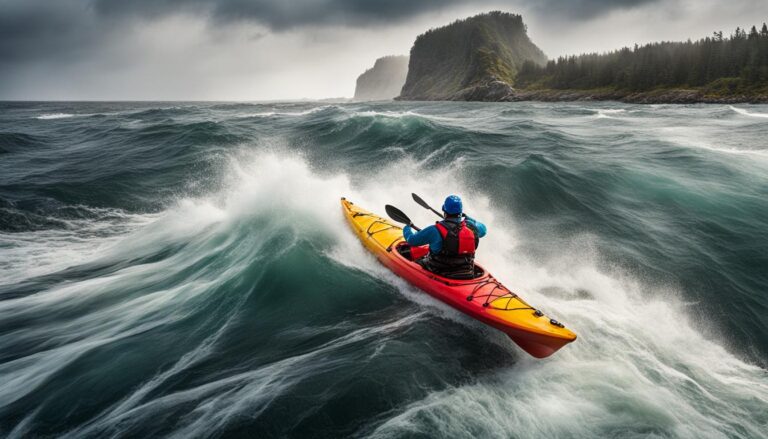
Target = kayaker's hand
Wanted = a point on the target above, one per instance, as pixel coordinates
(407, 231)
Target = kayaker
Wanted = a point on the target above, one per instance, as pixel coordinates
(452, 241)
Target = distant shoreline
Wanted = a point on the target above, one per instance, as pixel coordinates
(660, 96)
(663, 96)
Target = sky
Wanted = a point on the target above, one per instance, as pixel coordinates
(247, 50)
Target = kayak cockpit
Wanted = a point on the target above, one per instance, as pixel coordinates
(416, 254)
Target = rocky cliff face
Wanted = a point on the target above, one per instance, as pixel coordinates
(384, 81)
(475, 59)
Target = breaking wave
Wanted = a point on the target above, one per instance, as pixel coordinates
(206, 283)
(747, 113)
(54, 116)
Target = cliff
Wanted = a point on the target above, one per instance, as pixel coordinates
(383, 81)
(474, 59)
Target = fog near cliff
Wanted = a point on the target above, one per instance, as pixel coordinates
(262, 50)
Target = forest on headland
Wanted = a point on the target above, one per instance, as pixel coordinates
(489, 57)
(716, 65)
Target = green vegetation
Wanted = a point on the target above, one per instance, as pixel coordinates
(715, 66)
(493, 64)
(448, 61)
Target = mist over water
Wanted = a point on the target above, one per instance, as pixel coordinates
(183, 269)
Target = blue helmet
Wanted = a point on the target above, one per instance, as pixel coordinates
(452, 205)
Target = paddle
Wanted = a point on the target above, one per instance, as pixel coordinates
(398, 215)
(424, 204)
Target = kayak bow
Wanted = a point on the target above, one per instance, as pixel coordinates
(483, 298)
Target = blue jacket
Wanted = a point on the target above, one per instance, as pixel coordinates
(430, 235)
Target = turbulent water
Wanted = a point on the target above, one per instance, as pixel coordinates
(185, 270)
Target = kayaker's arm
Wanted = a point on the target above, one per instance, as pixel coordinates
(428, 235)
(480, 227)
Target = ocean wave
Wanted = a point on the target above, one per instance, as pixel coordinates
(646, 348)
(694, 138)
(736, 151)
(247, 393)
(401, 114)
(17, 141)
(747, 113)
(245, 305)
(287, 113)
(60, 241)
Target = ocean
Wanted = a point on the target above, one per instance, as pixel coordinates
(184, 270)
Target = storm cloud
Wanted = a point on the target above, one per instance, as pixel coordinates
(197, 49)
(31, 28)
(281, 14)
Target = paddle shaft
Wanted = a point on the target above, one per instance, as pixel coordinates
(424, 204)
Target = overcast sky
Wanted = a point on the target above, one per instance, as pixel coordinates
(292, 49)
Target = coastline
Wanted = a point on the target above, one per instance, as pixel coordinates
(497, 91)
(664, 96)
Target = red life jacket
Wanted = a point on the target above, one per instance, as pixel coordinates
(459, 239)
(456, 259)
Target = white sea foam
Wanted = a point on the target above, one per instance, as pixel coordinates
(699, 138)
(608, 113)
(748, 113)
(258, 114)
(55, 116)
(284, 113)
(35, 253)
(402, 114)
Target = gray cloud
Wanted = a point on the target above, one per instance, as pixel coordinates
(582, 10)
(280, 14)
(32, 29)
(36, 27)
(149, 46)
(42, 29)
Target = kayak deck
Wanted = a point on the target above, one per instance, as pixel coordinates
(483, 298)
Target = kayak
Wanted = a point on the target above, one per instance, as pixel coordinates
(483, 297)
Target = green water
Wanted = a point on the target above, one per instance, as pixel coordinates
(183, 269)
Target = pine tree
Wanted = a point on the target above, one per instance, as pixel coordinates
(742, 58)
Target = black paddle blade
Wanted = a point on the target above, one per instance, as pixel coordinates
(420, 202)
(398, 215)
(424, 204)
